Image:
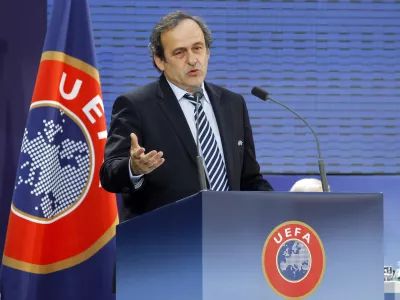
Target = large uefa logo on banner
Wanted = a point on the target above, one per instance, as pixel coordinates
(56, 164)
(293, 260)
(58, 199)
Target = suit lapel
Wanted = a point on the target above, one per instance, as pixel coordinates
(223, 114)
(170, 106)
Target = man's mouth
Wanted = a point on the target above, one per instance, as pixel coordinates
(193, 72)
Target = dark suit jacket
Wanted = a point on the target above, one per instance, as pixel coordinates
(153, 113)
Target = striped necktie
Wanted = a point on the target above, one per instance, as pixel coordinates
(215, 167)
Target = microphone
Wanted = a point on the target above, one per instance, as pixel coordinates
(198, 94)
(263, 95)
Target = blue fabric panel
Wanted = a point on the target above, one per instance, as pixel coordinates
(335, 62)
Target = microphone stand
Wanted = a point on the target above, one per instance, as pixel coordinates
(263, 95)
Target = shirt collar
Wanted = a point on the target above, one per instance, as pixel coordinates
(179, 93)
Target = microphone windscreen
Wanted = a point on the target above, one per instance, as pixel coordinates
(198, 93)
(259, 93)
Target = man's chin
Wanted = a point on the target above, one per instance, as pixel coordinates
(195, 82)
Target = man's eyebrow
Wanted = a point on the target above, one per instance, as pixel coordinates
(179, 48)
(184, 48)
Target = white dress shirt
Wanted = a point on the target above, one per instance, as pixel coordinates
(188, 110)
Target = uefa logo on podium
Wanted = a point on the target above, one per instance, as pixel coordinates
(293, 260)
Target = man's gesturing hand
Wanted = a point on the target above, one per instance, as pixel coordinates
(143, 163)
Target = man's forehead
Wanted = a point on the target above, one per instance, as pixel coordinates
(184, 35)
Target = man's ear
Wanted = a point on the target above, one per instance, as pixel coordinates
(159, 62)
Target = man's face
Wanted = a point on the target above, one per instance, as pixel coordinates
(186, 55)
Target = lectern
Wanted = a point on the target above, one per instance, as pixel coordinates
(254, 246)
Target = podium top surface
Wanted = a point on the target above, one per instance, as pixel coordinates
(252, 197)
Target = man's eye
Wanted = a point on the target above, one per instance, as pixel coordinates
(178, 53)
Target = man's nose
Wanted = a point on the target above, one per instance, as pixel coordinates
(192, 58)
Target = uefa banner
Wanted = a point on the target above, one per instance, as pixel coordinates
(60, 241)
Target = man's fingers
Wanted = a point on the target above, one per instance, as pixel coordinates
(155, 165)
(151, 162)
(146, 163)
(146, 158)
(134, 141)
(138, 153)
(159, 163)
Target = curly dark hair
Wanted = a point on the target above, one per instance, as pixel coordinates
(169, 22)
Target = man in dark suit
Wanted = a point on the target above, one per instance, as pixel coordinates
(160, 117)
